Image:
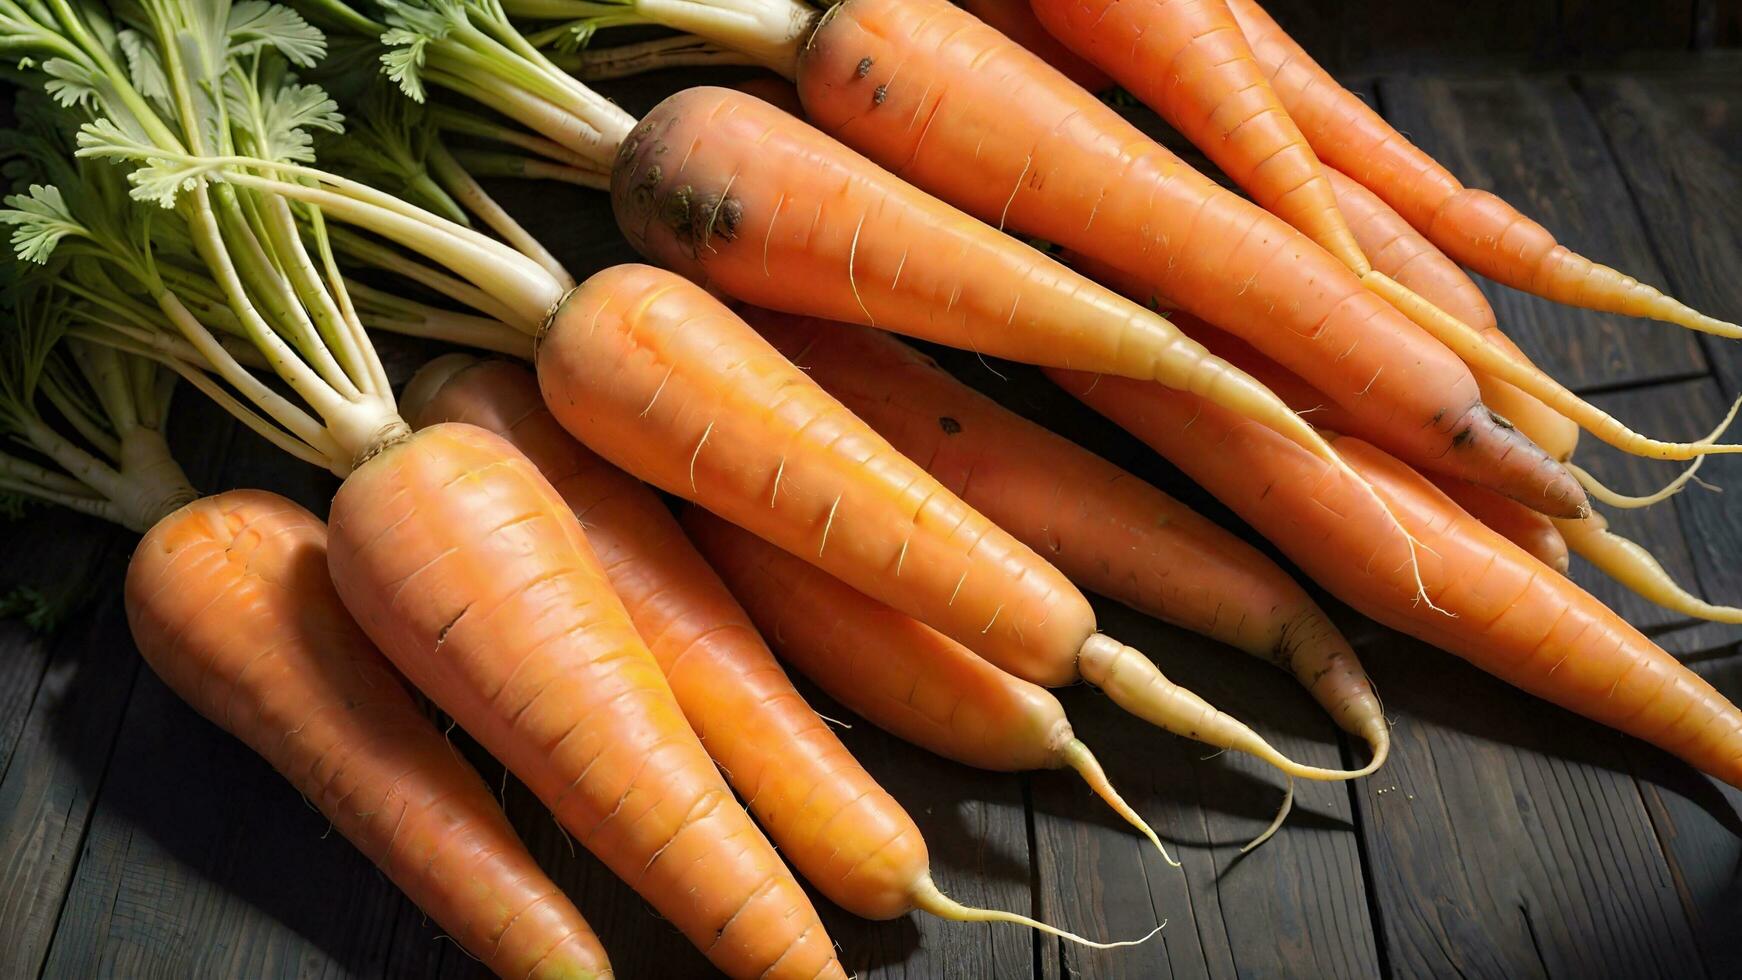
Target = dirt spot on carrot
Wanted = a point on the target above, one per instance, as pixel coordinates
(1500, 420)
(697, 218)
(864, 66)
(880, 95)
(1464, 438)
(949, 425)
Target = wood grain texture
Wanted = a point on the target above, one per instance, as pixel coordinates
(1532, 141)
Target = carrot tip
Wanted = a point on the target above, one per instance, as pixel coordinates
(1077, 755)
(1276, 821)
(928, 898)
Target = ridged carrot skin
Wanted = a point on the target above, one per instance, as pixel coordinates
(659, 378)
(1530, 531)
(474, 577)
(1512, 616)
(1107, 530)
(1473, 226)
(230, 603)
(1014, 20)
(736, 194)
(1187, 60)
(654, 374)
(1399, 251)
(952, 106)
(839, 828)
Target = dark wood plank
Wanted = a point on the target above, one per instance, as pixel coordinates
(1717, 24)
(65, 737)
(1678, 138)
(1679, 410)
(1532, 141)
(1508, 838)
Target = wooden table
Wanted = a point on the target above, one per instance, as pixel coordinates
(1506, 838)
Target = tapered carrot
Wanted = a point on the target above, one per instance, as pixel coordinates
(1187, 60)
(1473, 226)
(955, 108)
(1107, 530)
(838, 827)
(1630, 564)
(1513, 617)
(1534, 533)
(230, 602)
(901, 675)
(661, 379)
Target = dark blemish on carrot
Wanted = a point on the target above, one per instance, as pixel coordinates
(949, 425)
(1500, 420)
(1465, 437)
(1437, 416)
(864, 67)
(881, 94)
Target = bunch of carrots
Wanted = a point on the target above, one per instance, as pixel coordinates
(212, 199)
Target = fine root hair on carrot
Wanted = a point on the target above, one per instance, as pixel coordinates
(1623, 501)
(1282, 813)
(1077, 755)
(1136, 684)
(928, 898)
(1483, 355)
(1629, 563)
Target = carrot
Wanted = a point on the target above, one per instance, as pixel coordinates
(838, 827)
(230, 603)
(1473, 226)
(1187, 60)
(1107, 530)
(455, 556)
(661, 379)
(903, 676)
(1015, 20)
(1401, 252)
(1534, 533)
(1512, 616)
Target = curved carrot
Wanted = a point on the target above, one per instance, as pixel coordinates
(1513, 617)
(1187, 60)
(1473, 226)
(841, 830)
(655, 375)
(1536, 534)
(1107, 530)
(1014, 20)
(903, 676)
(954, 107)
(476, 580)
(230, 603)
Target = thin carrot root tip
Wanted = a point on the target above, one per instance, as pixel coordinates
(1622, 501)
(1137, 685)
(1078, 757)
(928, 898)
(1276, 821)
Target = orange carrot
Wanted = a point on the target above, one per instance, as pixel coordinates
(1513, 617)
(230, 602)
(1107, 530)
(1532, 532)
(1014, 20)
(1473, 226)
(1187, 60)
(838, 827)
(1401, 252)
(661, 379)
(903, 676)
(475, 578)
